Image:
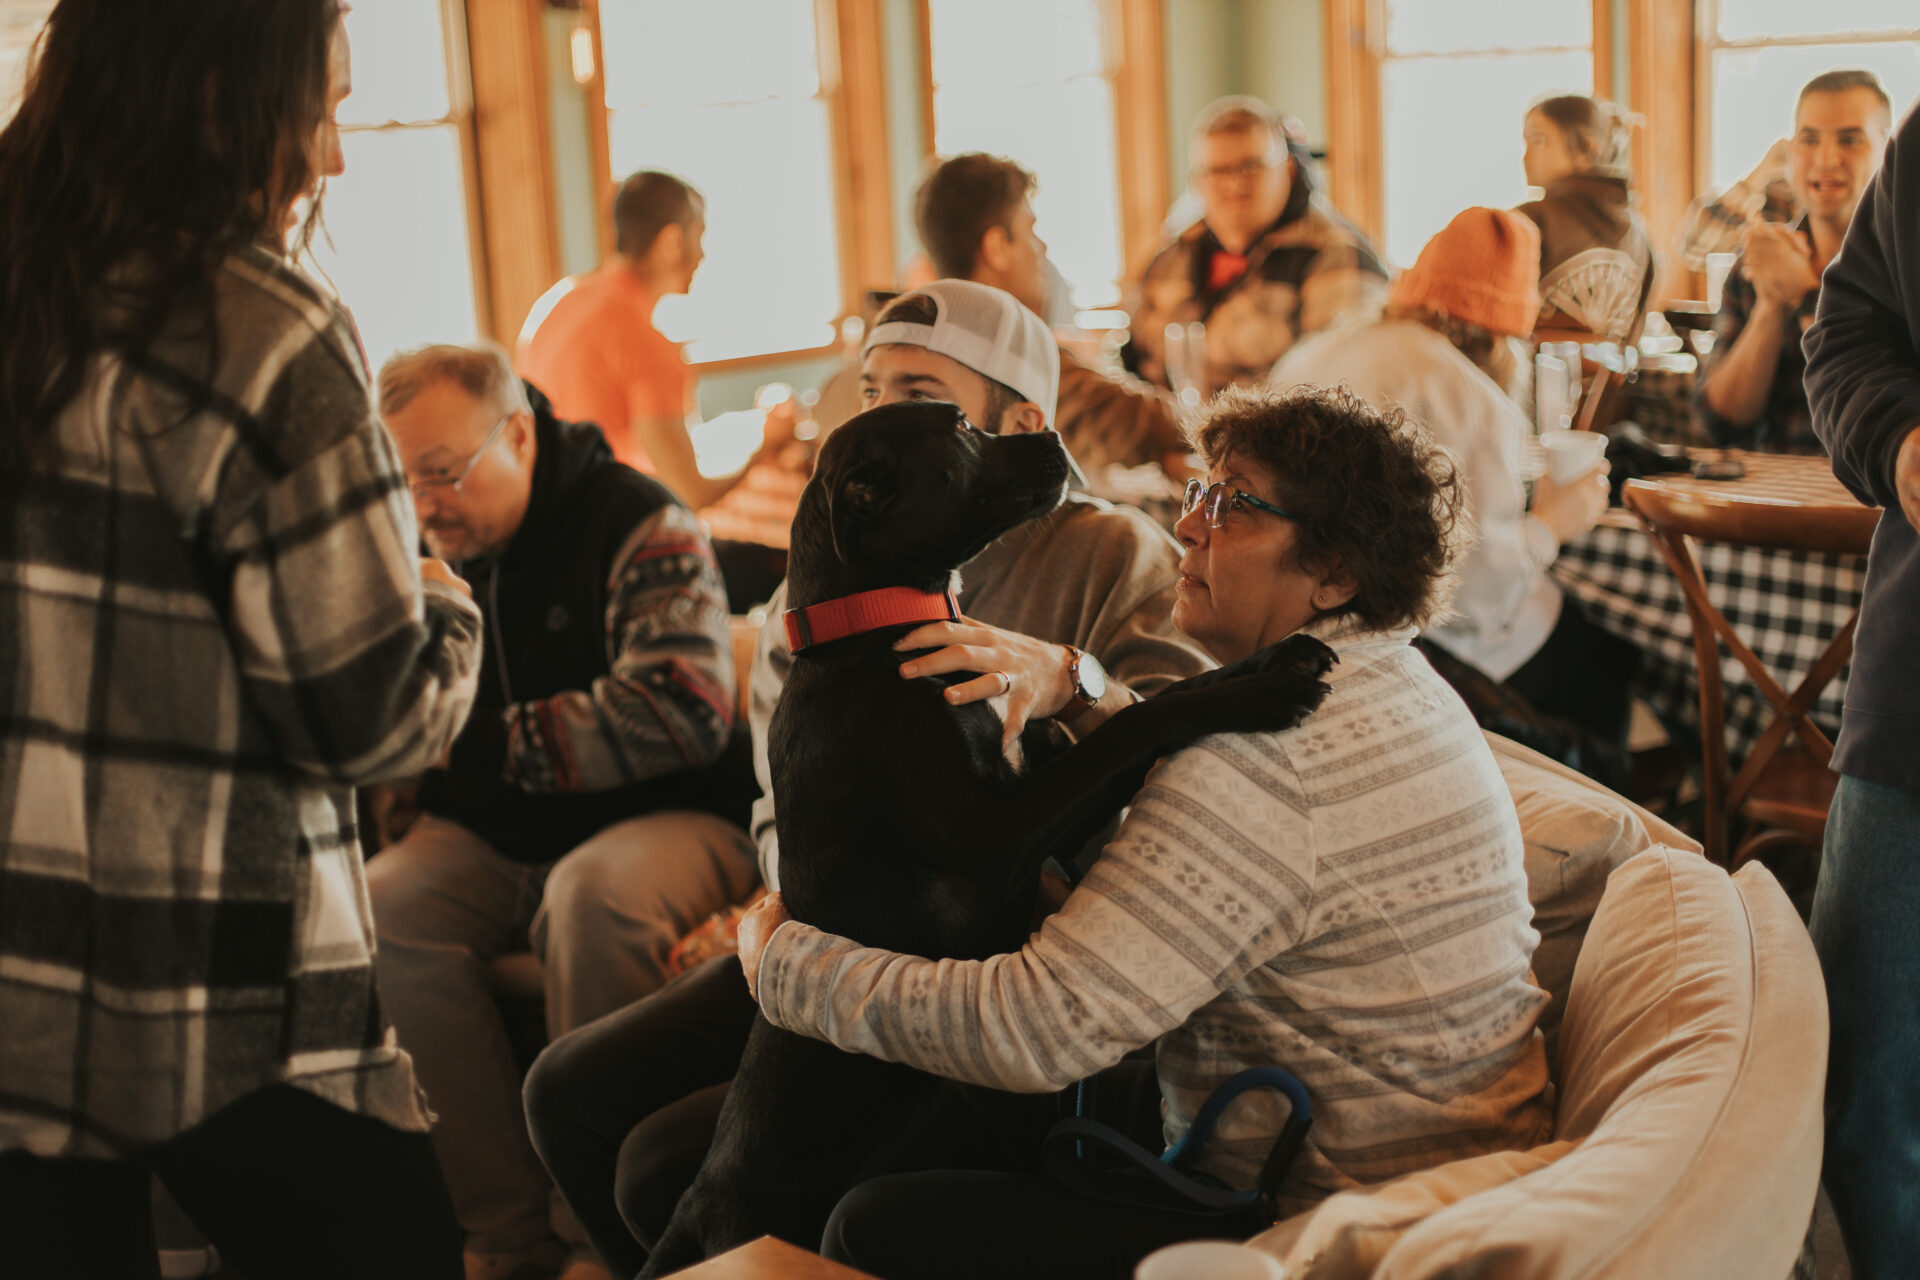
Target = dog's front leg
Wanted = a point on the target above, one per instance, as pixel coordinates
(1062, 805)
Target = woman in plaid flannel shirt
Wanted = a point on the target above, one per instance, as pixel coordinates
(213, 625)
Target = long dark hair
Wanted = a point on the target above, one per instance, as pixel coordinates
(153, 138)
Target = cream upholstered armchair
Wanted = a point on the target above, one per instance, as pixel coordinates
(1689, 1072)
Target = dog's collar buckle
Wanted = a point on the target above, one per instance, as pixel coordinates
(867, 611)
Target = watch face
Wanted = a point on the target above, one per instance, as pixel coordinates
(1091, 677)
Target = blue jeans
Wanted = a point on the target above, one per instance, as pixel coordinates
(1866, 927)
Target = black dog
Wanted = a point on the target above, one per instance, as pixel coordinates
(901, 823)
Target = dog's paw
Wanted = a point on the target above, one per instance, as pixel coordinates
(1297, 655)
(1262, 703)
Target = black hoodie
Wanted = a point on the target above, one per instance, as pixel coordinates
(545, 608)
(1863, 380)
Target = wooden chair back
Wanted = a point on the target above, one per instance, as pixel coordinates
(1673, 519)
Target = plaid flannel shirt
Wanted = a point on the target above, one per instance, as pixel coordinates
(212, 627)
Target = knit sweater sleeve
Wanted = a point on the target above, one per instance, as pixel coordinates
(667, 702)
(1210, 876)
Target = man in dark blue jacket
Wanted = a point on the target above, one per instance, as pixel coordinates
(591, 809)
(1863, 379)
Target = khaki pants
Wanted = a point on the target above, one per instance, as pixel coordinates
(601, 919)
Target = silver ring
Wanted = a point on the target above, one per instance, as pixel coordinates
(1006, 683)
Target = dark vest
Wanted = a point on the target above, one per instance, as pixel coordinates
(544, 603)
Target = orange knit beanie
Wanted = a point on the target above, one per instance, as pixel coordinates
(1483, 267)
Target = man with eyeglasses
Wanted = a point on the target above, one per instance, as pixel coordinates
(1270, 260)
(592, 809)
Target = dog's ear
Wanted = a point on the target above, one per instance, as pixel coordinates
(862, 492)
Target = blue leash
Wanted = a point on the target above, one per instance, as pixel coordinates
(1098, 1160)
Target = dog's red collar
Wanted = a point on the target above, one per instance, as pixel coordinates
(867, 611)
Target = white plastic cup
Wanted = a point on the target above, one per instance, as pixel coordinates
(1209, 1260)
(1550, 393)
(1572, 454)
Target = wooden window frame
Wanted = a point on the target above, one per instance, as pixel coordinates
(1708, 42)
(1132, 45)
(1661, 77)
(849, 40)
(1356, 40)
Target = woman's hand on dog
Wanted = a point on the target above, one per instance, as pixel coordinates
(756, 931)
(1037, 670)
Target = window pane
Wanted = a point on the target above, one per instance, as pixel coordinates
(399, 62)
(1424, 26)
(1754, 91)
(1059, 39)
(1045, 102)
(402, 266)
(1077, 207)
(1783, 19)
(771, 280)
(677, 52)
(1436, 162)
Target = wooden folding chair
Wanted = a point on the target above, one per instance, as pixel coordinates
(1784, 787)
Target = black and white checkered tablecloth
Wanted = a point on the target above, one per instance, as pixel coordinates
(1785, 604)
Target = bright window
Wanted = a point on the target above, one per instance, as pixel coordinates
(1044, 99)
(1760, 52)
(396, 238)
(728, 94)
(1455, 84)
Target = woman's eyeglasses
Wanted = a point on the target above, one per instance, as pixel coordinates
(1217, 500)
(453, 480)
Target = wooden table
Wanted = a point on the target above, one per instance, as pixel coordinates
(1785, 604)
(770, 1259)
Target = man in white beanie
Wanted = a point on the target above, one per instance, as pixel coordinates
(1068, 615)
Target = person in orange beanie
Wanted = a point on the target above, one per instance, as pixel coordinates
(1523, 655)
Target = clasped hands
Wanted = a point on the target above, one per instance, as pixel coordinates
(1779, 263)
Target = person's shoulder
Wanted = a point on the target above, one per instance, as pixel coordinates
(1176, 251)
(601, 306)
(1084, 521)
(628, 498)
(1370, 353)
(1387, 713)
(262, 297)
(1322, 227)
(292, 373)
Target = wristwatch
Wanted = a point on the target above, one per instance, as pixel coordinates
(1089, 681)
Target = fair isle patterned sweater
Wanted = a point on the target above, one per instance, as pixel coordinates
(1345, 900)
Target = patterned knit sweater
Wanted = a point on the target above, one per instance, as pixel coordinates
(1346, 900)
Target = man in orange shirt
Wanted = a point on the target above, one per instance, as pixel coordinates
(597, 355)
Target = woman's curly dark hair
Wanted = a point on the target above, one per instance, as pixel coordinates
(1369, 491)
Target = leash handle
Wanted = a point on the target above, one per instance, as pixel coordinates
(1166, 1174)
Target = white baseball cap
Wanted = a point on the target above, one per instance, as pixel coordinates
(989, 332)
